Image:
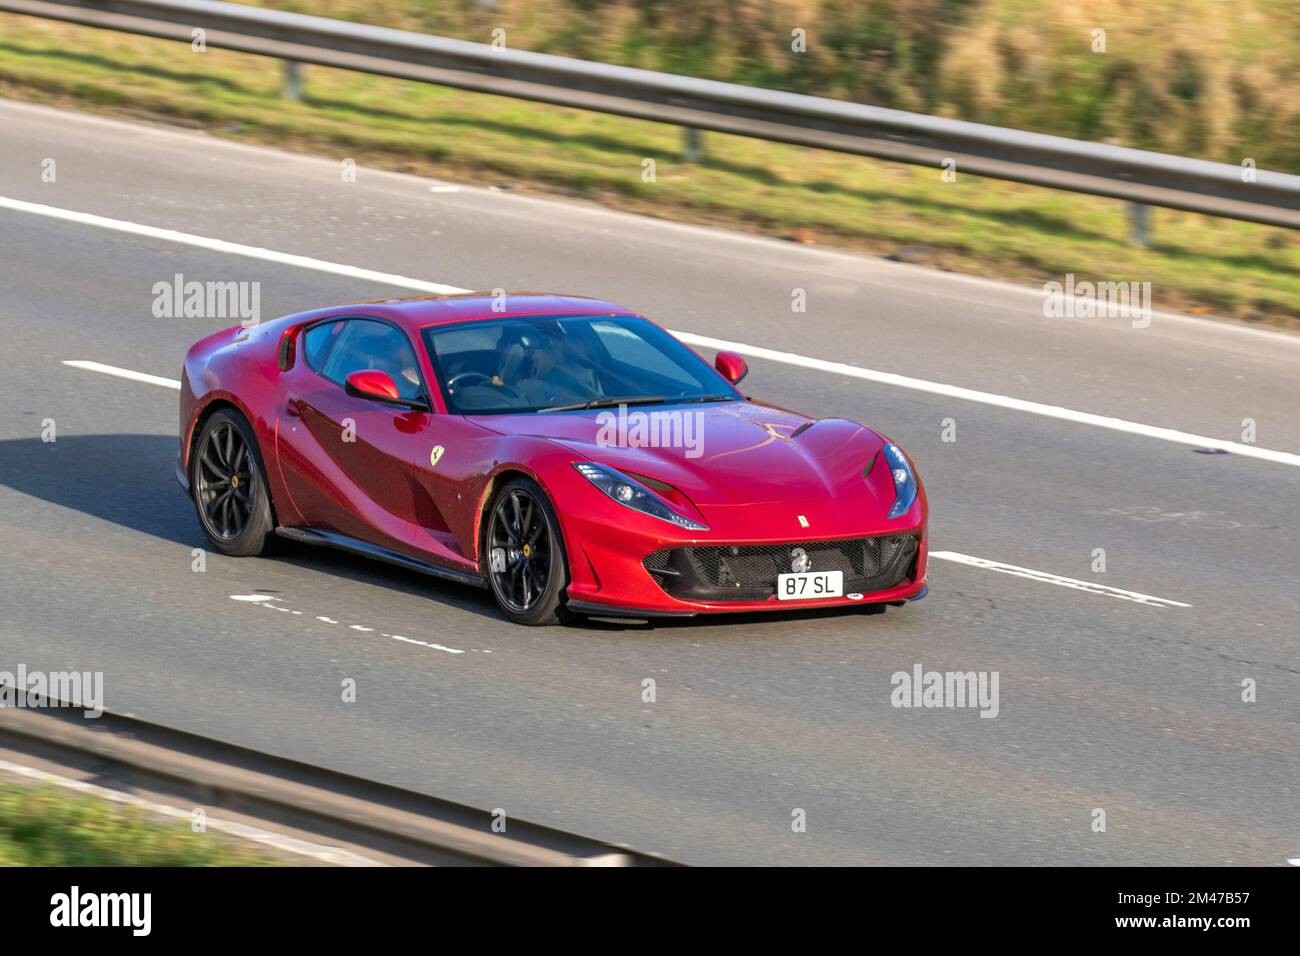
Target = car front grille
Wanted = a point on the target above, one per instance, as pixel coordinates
(749, 572)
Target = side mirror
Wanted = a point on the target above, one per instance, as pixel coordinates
(731, 367)
(373, 384)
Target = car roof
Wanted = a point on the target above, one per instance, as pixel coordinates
(415, 312)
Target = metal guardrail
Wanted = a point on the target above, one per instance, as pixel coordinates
(1138, 176)
(396, 822)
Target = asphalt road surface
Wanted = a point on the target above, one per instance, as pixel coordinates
(1106, 702)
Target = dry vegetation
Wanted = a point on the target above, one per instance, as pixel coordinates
(1212, 78)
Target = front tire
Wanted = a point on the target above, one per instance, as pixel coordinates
(524, 554)
(229, 486)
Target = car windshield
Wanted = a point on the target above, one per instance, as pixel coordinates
(561, 363)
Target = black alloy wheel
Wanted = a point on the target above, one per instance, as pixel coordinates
(525, 556)
(224, 490)
(229, 487)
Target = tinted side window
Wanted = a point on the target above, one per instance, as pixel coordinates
(364, 344)
(317, 341)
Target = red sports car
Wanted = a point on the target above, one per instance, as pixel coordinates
(566, 453)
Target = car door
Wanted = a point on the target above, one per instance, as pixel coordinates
(348, 459)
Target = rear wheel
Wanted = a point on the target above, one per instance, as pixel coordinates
(229, 486)
(525, 554)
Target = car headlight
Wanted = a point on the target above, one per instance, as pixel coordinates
(630, 492)
(905, 486)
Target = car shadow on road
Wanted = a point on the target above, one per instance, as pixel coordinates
(130, 480)
(739, 619)
(463, 597)
(126, 479)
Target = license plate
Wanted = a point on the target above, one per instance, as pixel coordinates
(809, 585)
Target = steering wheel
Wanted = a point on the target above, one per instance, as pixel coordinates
(454, 382)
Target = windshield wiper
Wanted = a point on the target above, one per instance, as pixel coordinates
(608, 403)
(707, 398)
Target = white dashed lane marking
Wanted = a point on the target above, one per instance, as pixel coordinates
(436, 647)
(275, 604)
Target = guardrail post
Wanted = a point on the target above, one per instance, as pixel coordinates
(292, 80)
(1139, 224)
(692, 144)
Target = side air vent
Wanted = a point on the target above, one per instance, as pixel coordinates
(288, 349)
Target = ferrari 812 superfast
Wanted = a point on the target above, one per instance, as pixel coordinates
(565, 453)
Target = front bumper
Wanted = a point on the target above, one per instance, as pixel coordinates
(715, 574)
(624, 563)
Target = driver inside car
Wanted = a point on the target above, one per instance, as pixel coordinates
(560, 370)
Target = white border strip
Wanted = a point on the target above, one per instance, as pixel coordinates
(772, 355)
(1048, 578)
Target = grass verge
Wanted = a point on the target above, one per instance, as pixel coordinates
(43, 826)
(977, 226)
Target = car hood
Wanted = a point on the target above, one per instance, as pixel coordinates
(718, 454)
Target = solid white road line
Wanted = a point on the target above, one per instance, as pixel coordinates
(691, 338)
(125, 373)
(1048, 578)
(278, 841)
(221, 245)
(999, 401)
